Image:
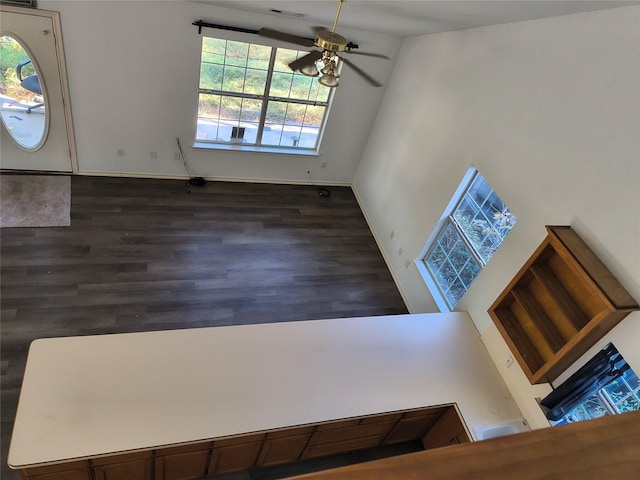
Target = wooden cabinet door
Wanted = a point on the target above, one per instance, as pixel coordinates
(135, 466)
(413, 425)
(235, 454)
(284, 447)
(68, 475)
(341, 437)
(448, 430)
(182, 463)
(66, 471)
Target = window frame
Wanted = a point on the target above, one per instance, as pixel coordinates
(264, 97)
(446, 219)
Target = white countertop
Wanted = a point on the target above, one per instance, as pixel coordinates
(88, 396)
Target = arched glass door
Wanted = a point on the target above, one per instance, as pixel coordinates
(34, 137)
(23, 106)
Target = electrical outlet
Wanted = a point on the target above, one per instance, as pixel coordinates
(407, 263)
(400, 250)
(508, 361)
(392, 234)
(121, 152)
(323, 165)
(176, 156)
(153, 155)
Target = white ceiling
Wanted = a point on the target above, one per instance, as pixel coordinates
(418, 17)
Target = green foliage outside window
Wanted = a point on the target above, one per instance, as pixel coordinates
(12, 54)
(237, 78)
(470, 236)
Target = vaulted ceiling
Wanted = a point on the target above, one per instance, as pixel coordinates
(417, 17)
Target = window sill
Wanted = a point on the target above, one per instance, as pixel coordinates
(255, 149)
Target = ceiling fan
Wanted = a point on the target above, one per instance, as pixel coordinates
(330, 42)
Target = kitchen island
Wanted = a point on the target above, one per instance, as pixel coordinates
(87, 399)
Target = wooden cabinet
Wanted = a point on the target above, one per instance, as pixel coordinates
(340, 437)
(413, 425)
(134, 466)
(448, 430)
(235, 454)
(65, 471)
(188, 462)
(284, 446)
(195, 461)
(561, 302)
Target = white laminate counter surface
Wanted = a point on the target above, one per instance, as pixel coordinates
(88, 396)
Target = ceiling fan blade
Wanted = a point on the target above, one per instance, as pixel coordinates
(377, 55)
(362, 73)
(286, 37)
(308, 59)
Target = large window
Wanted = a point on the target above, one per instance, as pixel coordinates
(249, 97)
(469, 232)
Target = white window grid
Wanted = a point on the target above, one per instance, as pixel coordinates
(267, 98)
(476, 261)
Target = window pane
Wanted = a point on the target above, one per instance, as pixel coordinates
(629, 404)
(452, 265)
(255, 82)
(211, 76)
(301, 87)
(259, 56)
(250, 119)
(285, 124)
(237, 54)
(617, 390)
(436, 258)
(213, 50)
(284, 57)
(594, 407)
(230, 109)
(311, 126)
(208, 117)
(319, 92)
(633, 381)
(281, 84)
(233, 79)
(484, 218)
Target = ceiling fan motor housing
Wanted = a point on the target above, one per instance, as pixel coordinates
(331, 41)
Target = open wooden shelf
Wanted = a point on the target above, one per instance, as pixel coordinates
(561, 302)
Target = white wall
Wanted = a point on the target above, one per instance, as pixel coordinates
(548, 111)
(133, 72)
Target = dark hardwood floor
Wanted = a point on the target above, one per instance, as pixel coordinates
(146, 255)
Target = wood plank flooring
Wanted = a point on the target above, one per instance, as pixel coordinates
(145, 255)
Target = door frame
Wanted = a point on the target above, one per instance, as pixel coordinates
(62, 70)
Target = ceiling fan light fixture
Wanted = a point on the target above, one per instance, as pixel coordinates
(310, 70)
(328, 80)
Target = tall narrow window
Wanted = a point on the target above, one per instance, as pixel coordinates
(249, 97)
(469, 232)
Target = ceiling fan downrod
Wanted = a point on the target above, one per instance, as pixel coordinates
(335, 22)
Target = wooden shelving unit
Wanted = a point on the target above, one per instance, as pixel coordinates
(561, 302)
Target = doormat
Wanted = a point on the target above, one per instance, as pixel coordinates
(35, 201)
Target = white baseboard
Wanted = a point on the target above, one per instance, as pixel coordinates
(213, 179)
